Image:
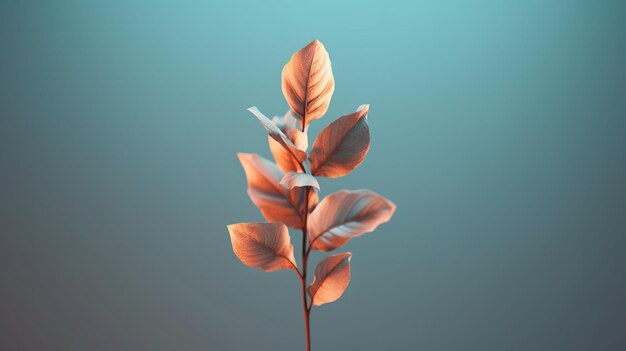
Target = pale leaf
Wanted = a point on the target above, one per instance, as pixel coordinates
(300, 140)
(344, 215)
(299, 179)
(276, 202)
(266, 246)
(278, 135)
(332, 276)
(288, 124)
(308, 82)
(341, 146)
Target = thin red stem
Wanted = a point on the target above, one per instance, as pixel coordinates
(306, 309)
(311, 245)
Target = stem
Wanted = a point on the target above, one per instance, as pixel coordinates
(306, 307)
(305, 257)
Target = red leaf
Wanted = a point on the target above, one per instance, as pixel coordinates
(331, 279)
(344, 215)
(341, 146)
(308, 83)
(266, 246)
(276, 202)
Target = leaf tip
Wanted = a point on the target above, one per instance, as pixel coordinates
(315, 42)
(242, 155)
(392, 206)
(364, 110)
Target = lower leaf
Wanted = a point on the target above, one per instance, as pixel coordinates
(331, 279)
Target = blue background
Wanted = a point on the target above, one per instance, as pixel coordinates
(498, 128)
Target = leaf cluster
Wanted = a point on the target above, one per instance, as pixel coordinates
(287, 192)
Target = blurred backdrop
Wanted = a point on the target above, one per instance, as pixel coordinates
(498, 128)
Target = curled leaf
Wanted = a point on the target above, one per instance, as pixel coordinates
(342, 145)
(288, 124)
(276, 202)
(344, 215)
(278, 135)
(299, 179)
(266, 246)
(308, 82)
(331, 279)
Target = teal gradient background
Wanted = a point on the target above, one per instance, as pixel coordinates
(498, 128)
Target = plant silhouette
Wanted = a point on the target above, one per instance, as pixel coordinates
(287, 194)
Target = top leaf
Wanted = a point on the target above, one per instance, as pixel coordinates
(308, 82)
(342, 145)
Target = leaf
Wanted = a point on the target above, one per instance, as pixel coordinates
(278, 135)
(299, 179)
(266, 246)
(308, 82)
(341, 146)
(276, 202)
(288, 124)
(283, 158)
(313, 199)
(331, 279)
(344, 215)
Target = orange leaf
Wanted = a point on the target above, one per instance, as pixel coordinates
(342, 145)
(331, 279)
(283, 158)
(276, 202)
(344, 215)
(266, 246)
(308, 82)
(314, 198)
